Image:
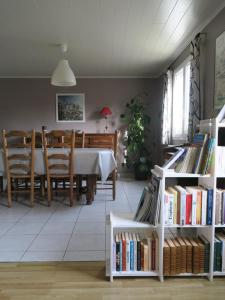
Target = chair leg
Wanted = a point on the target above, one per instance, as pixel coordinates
(32, 191)
(71, 191)
(49, 188)
(114, 185)
(42, 179)
(9, 191)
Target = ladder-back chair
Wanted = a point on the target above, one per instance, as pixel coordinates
(19, 161)
(59, 164)
(106, 141)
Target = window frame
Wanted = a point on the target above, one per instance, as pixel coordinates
(177, 139)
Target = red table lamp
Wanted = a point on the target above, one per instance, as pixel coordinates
(105, 112)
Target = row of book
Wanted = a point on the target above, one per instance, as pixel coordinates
(134, 252)
(148, 209)
(198, 157)
(186, 255)
(220, 207)
(191, 205)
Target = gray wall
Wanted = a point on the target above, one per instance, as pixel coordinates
(30, 103)
(213, 30)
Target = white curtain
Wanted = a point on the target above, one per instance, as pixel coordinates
(167, 109)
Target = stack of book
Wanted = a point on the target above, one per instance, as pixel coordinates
(188, 206)
(198, 157)
(186, 255)
(219, 251)
(149, 205)
(133, 252)
(220, 207)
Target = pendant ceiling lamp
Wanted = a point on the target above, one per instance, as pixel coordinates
(63, 74)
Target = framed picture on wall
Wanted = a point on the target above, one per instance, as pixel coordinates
(70, 108)
(219, 100)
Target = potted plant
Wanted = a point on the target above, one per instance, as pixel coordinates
(136, 154)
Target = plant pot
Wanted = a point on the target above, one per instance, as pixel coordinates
(141, 171)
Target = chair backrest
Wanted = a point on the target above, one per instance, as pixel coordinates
(19, 147)
(79, 139)
(56, 161)
(102, 140)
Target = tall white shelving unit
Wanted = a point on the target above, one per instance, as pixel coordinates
(119, 223)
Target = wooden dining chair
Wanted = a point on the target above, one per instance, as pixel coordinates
(106, 141)
(59, 164)
(19, 162)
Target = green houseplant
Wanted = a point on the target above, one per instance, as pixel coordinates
(137, 121)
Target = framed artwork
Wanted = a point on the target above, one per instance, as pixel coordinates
(219, 99)
(70, 108)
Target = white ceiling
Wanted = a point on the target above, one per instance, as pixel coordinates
(105, 37)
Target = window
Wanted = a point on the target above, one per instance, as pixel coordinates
(180, 106)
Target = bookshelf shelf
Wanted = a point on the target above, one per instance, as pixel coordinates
(218, 273)
(189, 274)
(187, 226)
(135, 273)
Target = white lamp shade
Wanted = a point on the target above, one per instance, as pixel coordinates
(63, 74)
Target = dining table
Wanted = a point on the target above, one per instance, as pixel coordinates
(87, 161)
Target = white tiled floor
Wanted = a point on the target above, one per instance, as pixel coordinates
(60, 232)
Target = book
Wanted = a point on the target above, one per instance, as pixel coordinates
(166, 259)
(181, 207)
(200, 139)
(168, 207)
(173, 158)
(209, 206)
(144, 255)
(189, 255)
(175, 193)
(118, 249)
(178, 256)
(201, 255)
(193, 192)
(218, 211)
(188, 208)
(123, 238)
(173, 260)
(206, 252)
(221, 237)
(183, 255)
(196, 256)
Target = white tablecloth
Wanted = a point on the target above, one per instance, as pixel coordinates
(86, 161)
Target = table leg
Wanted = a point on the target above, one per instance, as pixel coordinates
(90, 188)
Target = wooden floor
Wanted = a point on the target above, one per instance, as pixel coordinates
(86, 280)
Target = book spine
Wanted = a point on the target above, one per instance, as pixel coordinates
(123, 255)
(199, 207)
(132, 255)
(175, 209)
(223, 209)
(166, 209)
(194, 207)
(138, 255)
(135, 255)
(209, 206)
(182, 208)
(153, 255)
(188, 209)
(204, 207)
(118, 262)
(127, 256)
(170, 213)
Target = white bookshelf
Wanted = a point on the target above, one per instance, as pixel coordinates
(121, 222)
